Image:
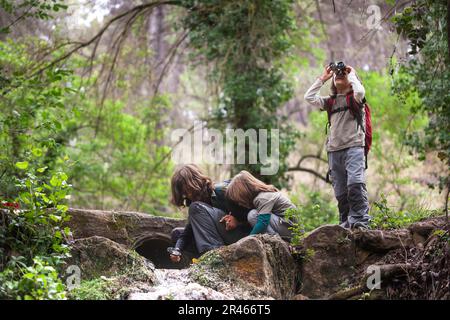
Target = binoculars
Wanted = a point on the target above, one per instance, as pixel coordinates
(339, 68)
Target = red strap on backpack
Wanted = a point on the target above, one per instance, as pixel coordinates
(368, 137)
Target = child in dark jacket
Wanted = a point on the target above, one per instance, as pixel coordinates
(213, 220)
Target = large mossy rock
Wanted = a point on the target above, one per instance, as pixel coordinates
(328, 262)
(99, 256)
(109, 270)
(335, 260)
(254, 267)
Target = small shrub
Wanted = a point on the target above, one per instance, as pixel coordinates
(32, 237)
(95, 289)
(314, 212)
(384, 217)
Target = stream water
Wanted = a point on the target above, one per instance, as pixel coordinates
(174, 284)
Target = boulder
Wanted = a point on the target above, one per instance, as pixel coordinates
(426, 227)
(254, 267)
(383, 240)
(328, 261)
(99, 256)
(128, 228)
(335, 260)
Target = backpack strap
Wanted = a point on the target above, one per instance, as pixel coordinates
(340, 109)
(352, 105)
(329, 102)
(356, 109)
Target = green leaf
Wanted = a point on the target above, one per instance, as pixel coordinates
(28, 275)
(62, 207)
(22, 165)
(45, 198)
(67, 231)
(40, 170)
(37, 152)
(55, 181)
(55, 218)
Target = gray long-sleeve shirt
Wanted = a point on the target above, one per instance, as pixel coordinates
(344, 130)
(272, 202)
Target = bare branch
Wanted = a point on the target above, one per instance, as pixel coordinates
(170, 56)
(117, 45)
(310, 156)
(313, 172)
(102, 31)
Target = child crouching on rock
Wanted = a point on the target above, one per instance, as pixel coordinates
(268, 205)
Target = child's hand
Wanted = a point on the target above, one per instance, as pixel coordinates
(174, 254)
(175, 259)
(230, 222)
(327, 74)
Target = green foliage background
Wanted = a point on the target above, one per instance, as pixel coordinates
(64, 141)
(427, 75)
(247, 43)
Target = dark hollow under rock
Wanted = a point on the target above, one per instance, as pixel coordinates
(148, 235)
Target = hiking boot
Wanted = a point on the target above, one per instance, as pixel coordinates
(360, 226)
(345, 225)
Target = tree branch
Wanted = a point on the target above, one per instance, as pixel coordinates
(318, 175)
(299, 167)
(99, 35)
(310, 156)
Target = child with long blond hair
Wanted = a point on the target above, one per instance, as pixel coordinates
(268, 204)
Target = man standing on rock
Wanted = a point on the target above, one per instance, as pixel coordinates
(346, 141)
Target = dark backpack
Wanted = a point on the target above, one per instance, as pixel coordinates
(355, 108)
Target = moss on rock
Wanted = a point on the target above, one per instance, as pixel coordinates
(99, 256)
(254, 267)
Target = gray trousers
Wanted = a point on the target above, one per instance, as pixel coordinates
(347, 177)
(277, 224)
